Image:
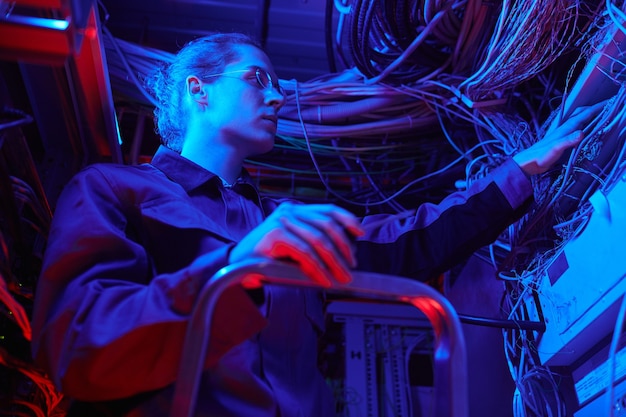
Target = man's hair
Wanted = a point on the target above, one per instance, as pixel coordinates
(200, 57)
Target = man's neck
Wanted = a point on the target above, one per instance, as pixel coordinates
(218, 161)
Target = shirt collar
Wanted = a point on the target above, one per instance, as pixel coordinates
(185, 172)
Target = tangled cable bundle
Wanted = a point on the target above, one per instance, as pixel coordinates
(563, 210)
(529, 36)
(411, 63)
(406, 41)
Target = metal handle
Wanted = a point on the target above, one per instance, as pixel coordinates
(450, 368)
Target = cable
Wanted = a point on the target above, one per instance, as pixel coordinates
(518, 50)
(23, 118)
(129, 71)
(529, 325)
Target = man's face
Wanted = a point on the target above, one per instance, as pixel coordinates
(243, 110)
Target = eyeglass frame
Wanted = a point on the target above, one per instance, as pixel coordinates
(257, 73)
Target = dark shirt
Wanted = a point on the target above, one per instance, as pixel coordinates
(131, 247)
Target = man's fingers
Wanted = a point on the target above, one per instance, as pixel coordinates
(580, 118)
(316, 237)
(300, 254)
(326, 240)
(331, 234)
(327, 224)
(572, 139)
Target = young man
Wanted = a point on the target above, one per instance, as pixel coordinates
(132, 246)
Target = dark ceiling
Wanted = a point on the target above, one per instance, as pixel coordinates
(292, 31)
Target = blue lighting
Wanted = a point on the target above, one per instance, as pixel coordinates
(54, 24)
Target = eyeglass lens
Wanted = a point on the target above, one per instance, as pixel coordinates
(265, 80)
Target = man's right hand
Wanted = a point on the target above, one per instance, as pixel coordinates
(317, 237)
(562, 135)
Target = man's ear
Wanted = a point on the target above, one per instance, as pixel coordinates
(196, 90)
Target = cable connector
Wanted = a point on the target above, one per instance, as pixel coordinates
(476, 104)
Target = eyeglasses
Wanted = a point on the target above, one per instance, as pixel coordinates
(263, 78)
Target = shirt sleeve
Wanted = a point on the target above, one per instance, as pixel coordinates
(101, 310)
(438, 236)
